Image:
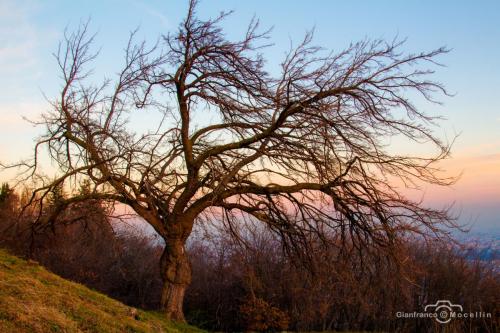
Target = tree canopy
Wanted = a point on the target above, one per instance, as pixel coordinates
(301, 149)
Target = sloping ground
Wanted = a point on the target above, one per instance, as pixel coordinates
(34, 300)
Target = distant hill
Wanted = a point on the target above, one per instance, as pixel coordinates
(481, 245)
(34, 300)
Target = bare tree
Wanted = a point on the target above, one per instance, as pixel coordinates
(303, 150)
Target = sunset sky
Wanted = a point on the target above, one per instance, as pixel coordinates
(30, 31)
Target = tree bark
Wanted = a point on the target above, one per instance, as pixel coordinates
(176, 274)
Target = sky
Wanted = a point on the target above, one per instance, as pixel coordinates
(30, 31)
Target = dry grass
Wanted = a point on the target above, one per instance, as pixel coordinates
(35, 300)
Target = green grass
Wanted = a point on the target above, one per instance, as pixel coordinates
(34, 300)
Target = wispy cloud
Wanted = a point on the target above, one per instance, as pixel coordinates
(14, 116)
(18, 36)
(155, 13)
(16, 134)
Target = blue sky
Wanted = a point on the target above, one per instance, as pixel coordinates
(30, 31)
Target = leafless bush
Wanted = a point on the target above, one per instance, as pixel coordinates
(257, 286)
(342, 294)
(83, 246)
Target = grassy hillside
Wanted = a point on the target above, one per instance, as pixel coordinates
(35, 300)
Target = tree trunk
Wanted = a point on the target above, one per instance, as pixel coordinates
(176, 275)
